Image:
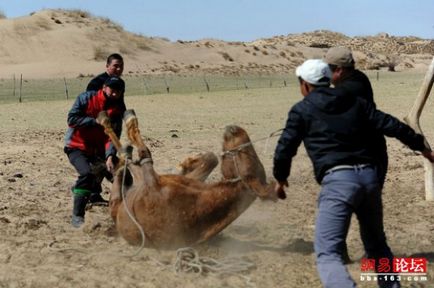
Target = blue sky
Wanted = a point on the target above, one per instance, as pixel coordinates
(246, 20)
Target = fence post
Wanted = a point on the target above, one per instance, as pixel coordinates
(284, 83)
(66, 88)
(245, 84)
(167, 85)
(378, 75)
(21, 87)
(14, 88)
(146, 90)
(206, 83)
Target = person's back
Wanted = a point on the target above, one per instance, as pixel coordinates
(329, 140)
(355, 83)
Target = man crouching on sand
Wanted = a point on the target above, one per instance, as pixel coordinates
(336, 129)
(87, 145)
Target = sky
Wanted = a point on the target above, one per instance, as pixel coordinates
(248, 20)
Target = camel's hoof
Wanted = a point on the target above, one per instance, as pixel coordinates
(129, 114)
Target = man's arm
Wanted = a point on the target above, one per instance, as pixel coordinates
(77, 115)
(287, 146)
(392, 127)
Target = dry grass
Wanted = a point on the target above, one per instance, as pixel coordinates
(226, 56)
(100, 54)
(78, 13)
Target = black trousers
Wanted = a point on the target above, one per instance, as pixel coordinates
(91, 171)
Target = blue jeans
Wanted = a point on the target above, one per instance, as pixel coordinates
(343, 192)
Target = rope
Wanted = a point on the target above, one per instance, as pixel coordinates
(130, 215)
(239, 178)
(234, 151)
(272, 134)
(267, 138)
(188, 260)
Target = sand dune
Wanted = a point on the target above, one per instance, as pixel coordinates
(67, 43)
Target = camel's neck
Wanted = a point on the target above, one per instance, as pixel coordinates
(145, 174)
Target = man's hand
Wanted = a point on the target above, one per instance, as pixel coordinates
(428, 154)
(103, 119)
(280, 190)
(110, 165)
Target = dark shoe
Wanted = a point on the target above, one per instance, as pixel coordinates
(78, 210)
(77, 221)
(97, 200)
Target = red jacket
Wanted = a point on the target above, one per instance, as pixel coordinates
(84, 133)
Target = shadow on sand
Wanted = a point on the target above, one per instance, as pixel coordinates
(236, 245)
(428, 255)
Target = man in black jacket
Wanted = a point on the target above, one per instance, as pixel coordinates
(356, 83)
(114, 68)
(336, 129)
(345, 76)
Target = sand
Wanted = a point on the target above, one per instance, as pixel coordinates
(65, 43)
(39, 248)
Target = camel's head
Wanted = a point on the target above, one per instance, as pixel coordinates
(239, 158)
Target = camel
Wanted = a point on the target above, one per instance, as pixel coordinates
(182, 210)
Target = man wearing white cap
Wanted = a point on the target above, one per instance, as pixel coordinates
(335, 129)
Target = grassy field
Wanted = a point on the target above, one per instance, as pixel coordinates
(56, 89)
(393, 91)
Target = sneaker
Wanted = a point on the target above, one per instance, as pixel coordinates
(77, 221)
(97, 200)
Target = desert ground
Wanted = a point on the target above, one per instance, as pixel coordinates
(39, 248)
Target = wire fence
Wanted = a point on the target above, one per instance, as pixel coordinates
(20, 89)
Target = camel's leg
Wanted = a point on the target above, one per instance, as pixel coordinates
(134, 136)
(218, 227)
(115, 194)
(233, 209)
(104, 121)
(199, 167)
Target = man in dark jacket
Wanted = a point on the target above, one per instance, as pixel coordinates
(114, 68)
(336, 129)
(345, 76)
(86, 144)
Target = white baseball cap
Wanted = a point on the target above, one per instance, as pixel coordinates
(315, 72)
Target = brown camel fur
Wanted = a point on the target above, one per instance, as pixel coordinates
(199, 167)
(181, 210)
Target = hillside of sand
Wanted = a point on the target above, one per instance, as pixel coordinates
(69, 43)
